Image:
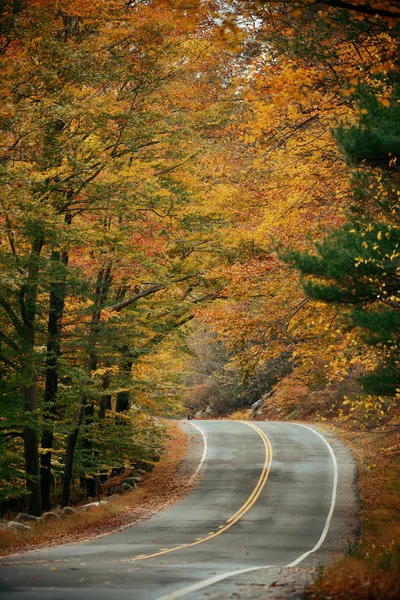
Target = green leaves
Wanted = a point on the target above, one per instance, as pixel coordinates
(375, 140)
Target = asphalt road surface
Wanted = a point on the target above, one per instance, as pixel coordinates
(265, 498)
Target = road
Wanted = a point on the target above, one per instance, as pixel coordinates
(265, 498)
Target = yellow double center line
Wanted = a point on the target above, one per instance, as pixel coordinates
(251, 500)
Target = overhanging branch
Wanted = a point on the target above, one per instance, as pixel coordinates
(132, 299)
(386, 9)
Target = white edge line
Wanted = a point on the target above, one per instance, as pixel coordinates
(207, 582)
(201, 463)
(333, 500)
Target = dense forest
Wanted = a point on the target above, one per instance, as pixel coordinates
(199, 209)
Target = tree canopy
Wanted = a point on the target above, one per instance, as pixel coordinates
(199, 203)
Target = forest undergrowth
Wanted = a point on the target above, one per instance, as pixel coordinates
(162, 487)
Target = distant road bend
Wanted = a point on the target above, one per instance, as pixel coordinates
(265, 498)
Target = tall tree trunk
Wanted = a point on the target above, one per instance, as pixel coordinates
(123, 398)
(70, 451)
(105, 400)
(104, 279)
(88, 484)
(28, 303)
(85, 412)
(31, 451)
(54, 331)
(122, 402)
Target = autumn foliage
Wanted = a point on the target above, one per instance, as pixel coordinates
(109, 113)
(200, 207)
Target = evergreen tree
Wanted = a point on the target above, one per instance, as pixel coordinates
(358, 265)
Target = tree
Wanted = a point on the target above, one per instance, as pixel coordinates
(310, 71)
(103, 104)
(358, 265)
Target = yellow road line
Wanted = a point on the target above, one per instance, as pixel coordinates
(266, 469)
(251, 500)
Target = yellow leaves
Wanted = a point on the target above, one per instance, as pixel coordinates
(367, 409)
(383, 67)
(297, 13)
(106, 370)
(249, 138)
(384, 100)
(348, 91)
(293, 112)
(250, 96)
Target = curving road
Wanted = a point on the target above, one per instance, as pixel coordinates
(265, 498)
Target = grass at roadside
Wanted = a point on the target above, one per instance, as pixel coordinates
(370, 570)
(239, 415)
(162, 486)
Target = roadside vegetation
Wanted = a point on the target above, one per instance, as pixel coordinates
(161, 486)
(371, 566)
(199, 215)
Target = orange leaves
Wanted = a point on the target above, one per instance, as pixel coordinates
(295, 180)
(384, 100)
